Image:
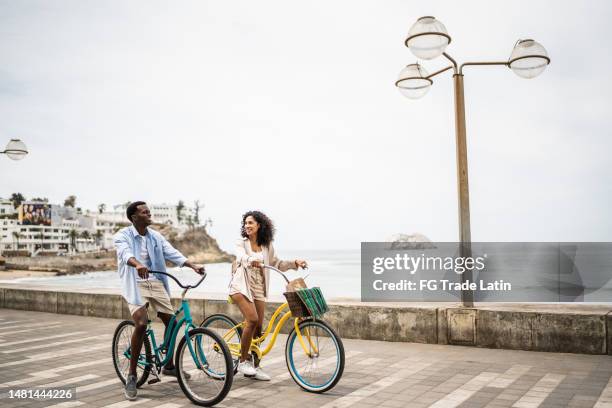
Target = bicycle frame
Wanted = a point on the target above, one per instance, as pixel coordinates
(170, 338)
(256, 342)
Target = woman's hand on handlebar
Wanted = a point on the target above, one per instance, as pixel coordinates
(197, 269)
(257, 264)
(300, 263)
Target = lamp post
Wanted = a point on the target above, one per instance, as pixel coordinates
(428, 39)
(15, 149)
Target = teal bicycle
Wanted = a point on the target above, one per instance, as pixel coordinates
(203, 361)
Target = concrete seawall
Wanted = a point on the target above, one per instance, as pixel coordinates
(575, 328)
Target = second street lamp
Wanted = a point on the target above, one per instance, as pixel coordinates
(15, 149)
(428, 39)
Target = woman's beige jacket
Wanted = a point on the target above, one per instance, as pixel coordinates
(243, 260)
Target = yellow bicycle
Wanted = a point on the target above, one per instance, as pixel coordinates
(314, 352)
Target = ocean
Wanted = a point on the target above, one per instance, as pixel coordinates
(336, 272)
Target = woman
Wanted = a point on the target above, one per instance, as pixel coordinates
(250, 281)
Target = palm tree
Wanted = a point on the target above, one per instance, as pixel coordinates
(101, 208)
(179, 210)
(98, 237)
(196, 219)
(208, 223)
(16, 236)
(42, 238)
(189, 222)
(73, 237)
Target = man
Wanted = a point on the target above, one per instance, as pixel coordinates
(139, 250)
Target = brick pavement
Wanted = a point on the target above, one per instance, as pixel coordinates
(50, 349)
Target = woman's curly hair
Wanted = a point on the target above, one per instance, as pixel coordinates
(265, 234)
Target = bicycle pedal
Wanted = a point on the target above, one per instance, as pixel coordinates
(153, 381)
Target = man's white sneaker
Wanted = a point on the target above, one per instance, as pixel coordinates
(246, 368)
(260, 375)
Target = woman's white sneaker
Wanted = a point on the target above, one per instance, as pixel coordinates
(260, 375)
(246, 368)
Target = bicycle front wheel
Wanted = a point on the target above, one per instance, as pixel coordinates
(122, 351)
(204, 367)
(315, 356)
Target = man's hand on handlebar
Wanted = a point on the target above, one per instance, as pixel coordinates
(197, 269)
(142, 270)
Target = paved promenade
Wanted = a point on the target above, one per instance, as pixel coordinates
(53, 350)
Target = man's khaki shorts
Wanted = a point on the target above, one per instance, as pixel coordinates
(154, 294)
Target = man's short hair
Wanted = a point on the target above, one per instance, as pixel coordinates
(131, 210)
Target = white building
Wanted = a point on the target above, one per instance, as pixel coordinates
(37, 227)
(6, 208)
(160, 213)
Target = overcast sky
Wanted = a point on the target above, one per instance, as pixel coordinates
(289, 107)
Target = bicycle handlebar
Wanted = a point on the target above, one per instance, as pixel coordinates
(179, 283)
(278, 271)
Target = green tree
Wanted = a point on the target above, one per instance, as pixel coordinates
(179, 210)
(17, 199)
(70, 201)
(101, 208)
(85, 235)
(41, 199)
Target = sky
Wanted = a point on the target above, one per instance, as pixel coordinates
(290, 108)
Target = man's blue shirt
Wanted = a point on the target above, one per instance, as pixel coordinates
(159, 250)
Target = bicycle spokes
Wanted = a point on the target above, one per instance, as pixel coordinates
(122, 354)
(315, 356)
(204, 372)
(309, 341)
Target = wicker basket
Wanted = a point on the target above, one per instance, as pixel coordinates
(297, 307)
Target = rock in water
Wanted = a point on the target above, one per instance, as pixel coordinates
(409, 241)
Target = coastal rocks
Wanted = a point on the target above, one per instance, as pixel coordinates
(196, 244)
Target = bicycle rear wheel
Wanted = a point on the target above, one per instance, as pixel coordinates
(205, 357)
(121, 354)
(224, 325)
(315, 363)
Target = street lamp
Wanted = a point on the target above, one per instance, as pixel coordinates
(428, 39)
(15, 149)
(413, 81)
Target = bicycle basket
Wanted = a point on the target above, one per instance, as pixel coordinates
(314, 301)
(297, 307)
